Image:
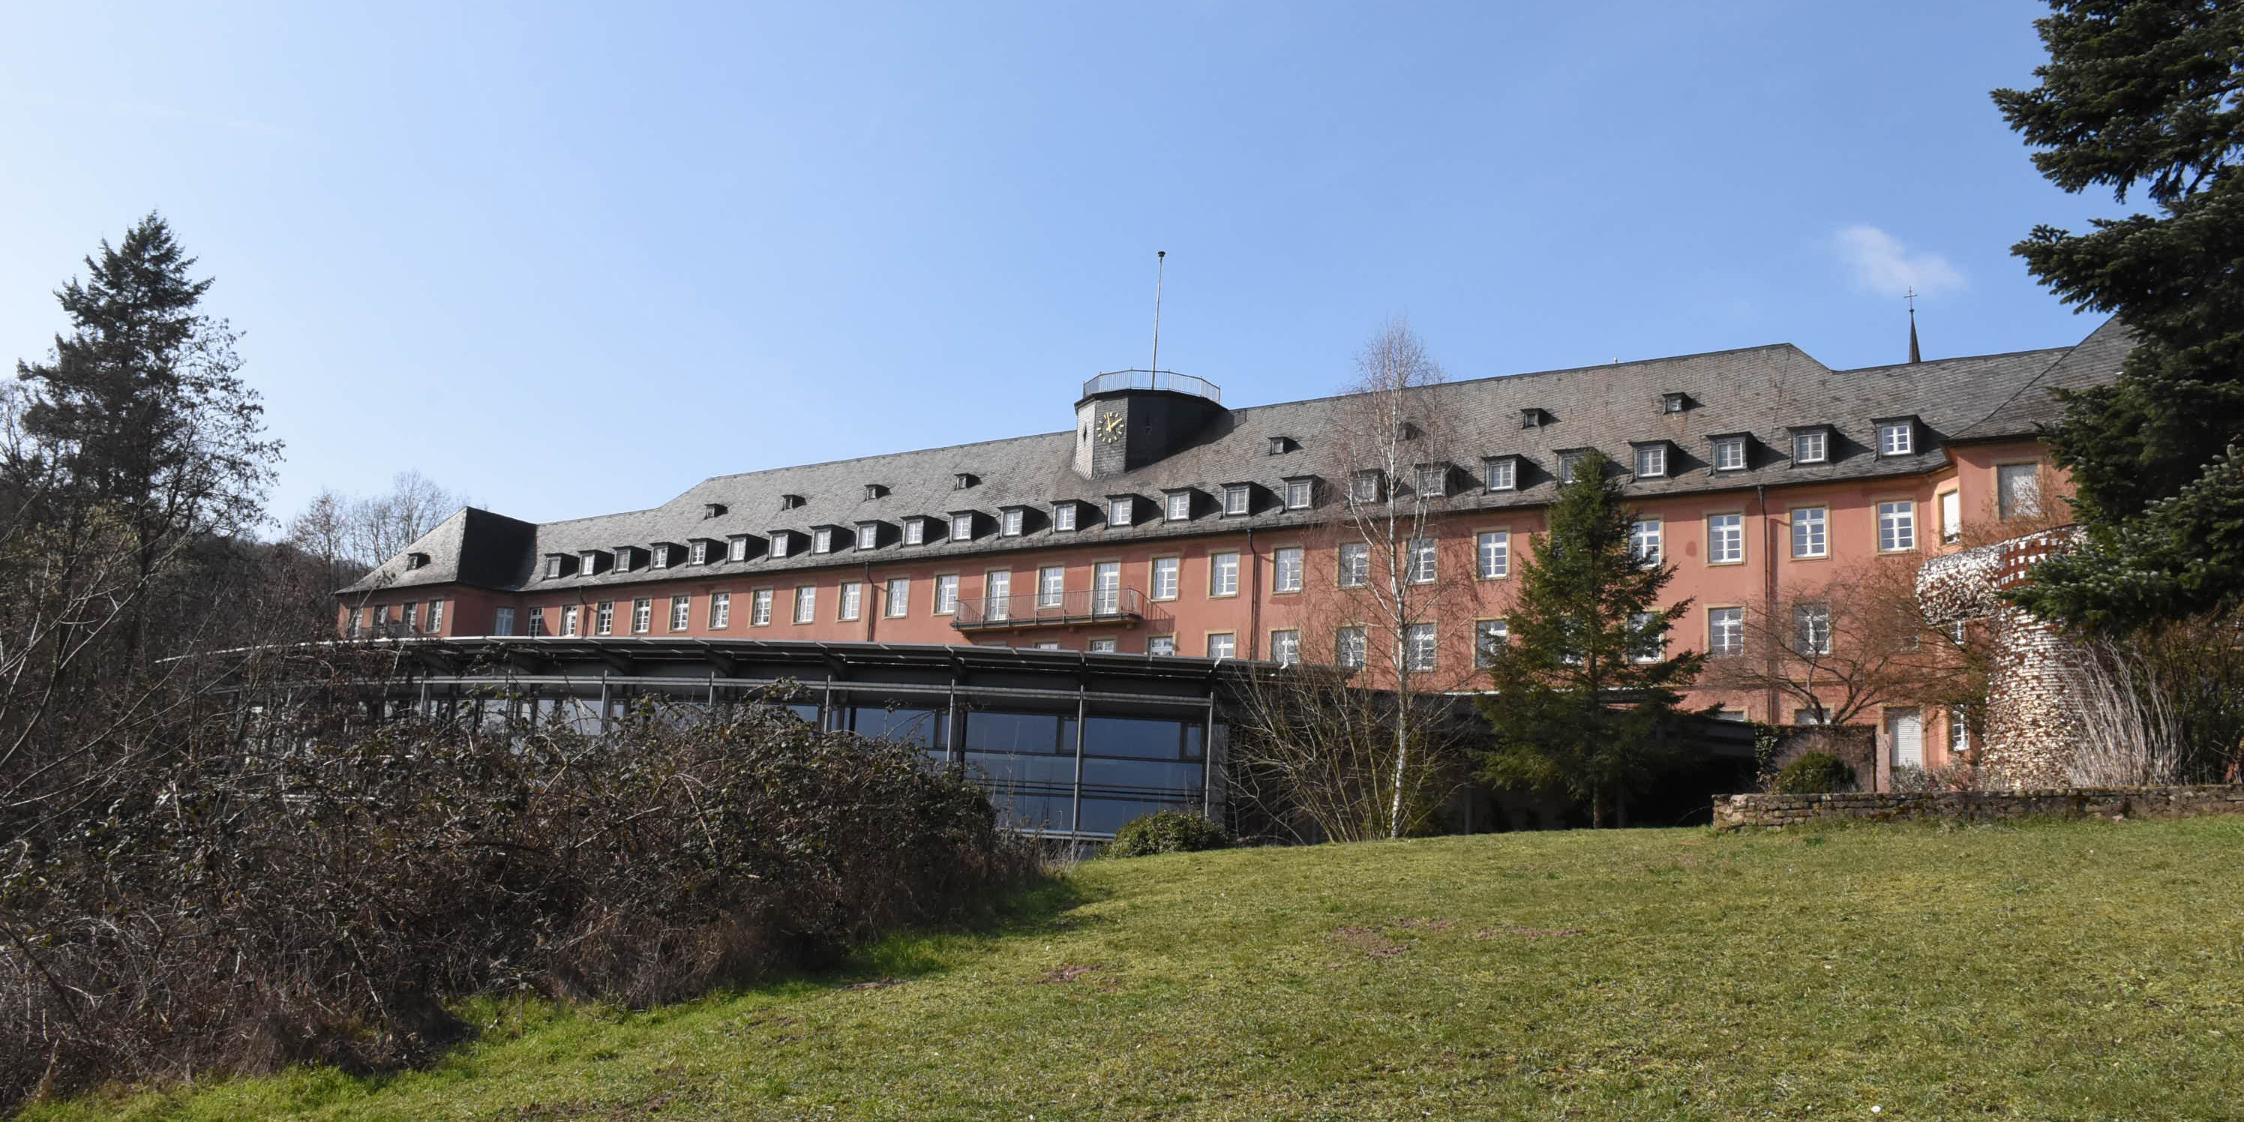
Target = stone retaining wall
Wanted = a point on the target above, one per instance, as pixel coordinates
(1745, 812)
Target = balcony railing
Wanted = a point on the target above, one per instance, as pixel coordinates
(1125, 607)
(1153, 380)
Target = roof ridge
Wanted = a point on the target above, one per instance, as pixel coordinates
(2060, 352)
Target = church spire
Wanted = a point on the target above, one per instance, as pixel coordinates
(1915, 354)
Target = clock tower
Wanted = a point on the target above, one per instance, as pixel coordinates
(1127, 419)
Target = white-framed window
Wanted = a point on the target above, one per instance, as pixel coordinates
(1951, 518)
(1897, 526)
(1896, 438)
(1286, 565)
(1811, 628)
(1729, 453)
(1651, 645)
(1645, 540)
(1725, 632)
(1420, 552)
(604, 617)
(806, 603)
(1179, 508)
(1106, 587)
(1366, 486)
(868, 535)
(720, 610)
(781, 542)
(1419, 647)
(1118, 511)
(1223, 574)
(1101, 646)
(681, 612)
(1355, 564)
(1570, 466)
(2017, 490)
(1488, 635)
(571, 616)
(822, 539)
(553, 567)
(1503, 474)
(1063, 516)
(1012, 522)
(1299, 493)
(1285, 647)
(1237, 498)
(1046, 645)
(915, 531)
(1164, 645)
(698, 552)
(852, 600)
(1433, 481)
(962, 527)
(412, 617)
(997, 594)
(1651, 461)
(659, 557)
(1051, 586)
(1810, 716)
(1350, 646)
(1492, 554)
(896, 597)
(537, 621)
(1725, 539)
(502, 622)
(1223, 644)
(1810, 531)
(737, 548)
(642, 615)
(759, 608)
(1959, 733)
(946, 594)
(1165, 570)
(1812, 446)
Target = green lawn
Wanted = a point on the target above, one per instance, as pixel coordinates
(2086, 970)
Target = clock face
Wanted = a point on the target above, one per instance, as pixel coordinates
(1110, 428)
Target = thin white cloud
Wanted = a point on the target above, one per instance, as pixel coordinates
(1882, 265)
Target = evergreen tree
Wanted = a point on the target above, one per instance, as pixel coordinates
(1585, 686)
(2144, 94)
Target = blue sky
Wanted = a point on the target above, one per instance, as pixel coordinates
(570, 259)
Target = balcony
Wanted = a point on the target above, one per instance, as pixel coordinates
(1168, 380)
(1114, 607)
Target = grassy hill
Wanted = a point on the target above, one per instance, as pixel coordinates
(2087, 970)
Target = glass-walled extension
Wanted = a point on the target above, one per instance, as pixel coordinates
(1066, 743)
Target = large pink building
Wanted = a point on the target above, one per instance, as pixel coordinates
(1163, 522)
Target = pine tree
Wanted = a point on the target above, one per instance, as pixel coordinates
(2145, 94)
(1584, 687)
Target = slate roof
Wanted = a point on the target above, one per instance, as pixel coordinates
(1765, 391)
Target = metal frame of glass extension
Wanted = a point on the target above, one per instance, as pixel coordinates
(1067, 744)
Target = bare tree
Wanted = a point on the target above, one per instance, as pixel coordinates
(359, 533)
(1840, 651)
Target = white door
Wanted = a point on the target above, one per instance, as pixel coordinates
(1106, 588)
(1905, 734)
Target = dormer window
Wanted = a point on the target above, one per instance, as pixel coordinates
(658, 555)
(416, 561)
(1367, 486)
(790, 502)
(962, 526)
(1011, 521)
(915, 531)
(1811, 445)
(1238, 499)
(1433, 480)
(556, 566)
(963, 480)
(782, 543)
(1301, 491)
(1897, 437)
(1178, 506)
(1674, 402)
(868, 535)
(1280, 445)
(1729, 453)
(1119, 509)
(737, 547)
(1404, 430)
(822, 539)
(1651, 460)
(712, 510)
(627, 558)
(698, 552)
(1531, 418)
(589, 562)
(1570, 464)
(875, 491)
(1502, 473)
(1064, 515)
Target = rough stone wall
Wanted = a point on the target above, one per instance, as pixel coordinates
(1750, 812)
(2032, 718)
